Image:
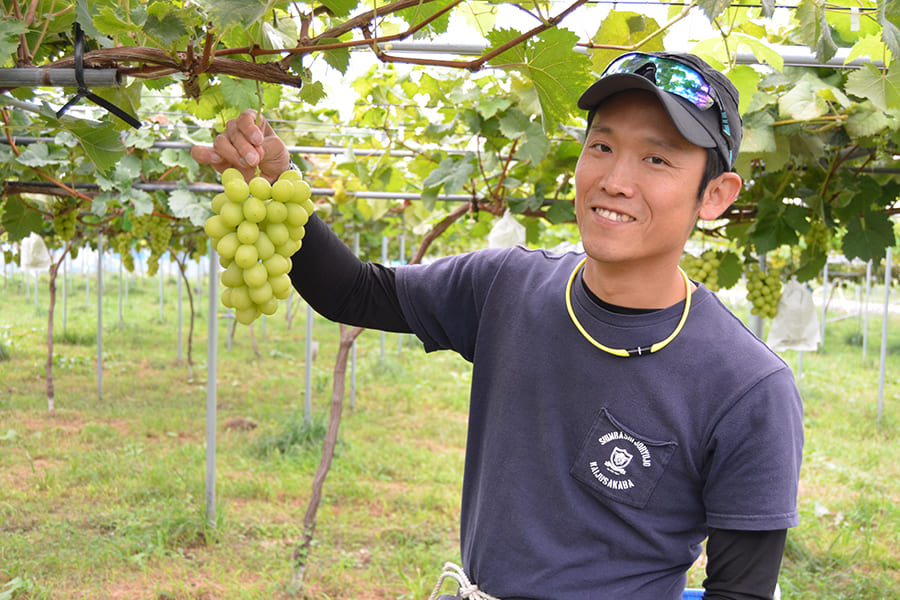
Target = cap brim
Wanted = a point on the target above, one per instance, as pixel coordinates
(686, 117)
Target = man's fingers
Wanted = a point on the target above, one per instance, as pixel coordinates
(248, 143)
(206, 155)
(236, 143)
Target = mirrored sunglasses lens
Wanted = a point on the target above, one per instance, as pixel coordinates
(670, 76)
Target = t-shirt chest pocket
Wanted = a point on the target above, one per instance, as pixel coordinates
(619, 463)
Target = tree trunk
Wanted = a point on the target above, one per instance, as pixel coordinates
(301, 552)
(51, 308)
(190, 341)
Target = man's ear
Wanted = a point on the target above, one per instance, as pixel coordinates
(719, 195)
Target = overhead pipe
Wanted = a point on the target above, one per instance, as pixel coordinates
(53, 77)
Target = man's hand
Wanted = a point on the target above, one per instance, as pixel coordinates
(246, 145)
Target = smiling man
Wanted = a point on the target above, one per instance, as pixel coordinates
(620, 415)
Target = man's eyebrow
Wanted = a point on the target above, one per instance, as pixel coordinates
(653, 140)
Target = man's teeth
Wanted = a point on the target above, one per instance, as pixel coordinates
(613, 216)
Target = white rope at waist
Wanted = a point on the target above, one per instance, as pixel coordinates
(467, 589)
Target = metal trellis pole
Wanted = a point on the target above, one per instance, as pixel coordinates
(100, 316)
(307, 400)
(211, 359)
(884, 330)
(865, 340)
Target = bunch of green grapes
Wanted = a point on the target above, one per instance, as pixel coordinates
(763, 292)
(160, 233)
(256, 229)
(121, 244)
(64, 224)
(818, 236)
(704, 268)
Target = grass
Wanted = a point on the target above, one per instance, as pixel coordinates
(105, 497)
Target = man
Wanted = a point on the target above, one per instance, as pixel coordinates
(619, 413)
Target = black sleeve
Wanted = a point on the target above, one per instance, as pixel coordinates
(743, 565)
(341, 287)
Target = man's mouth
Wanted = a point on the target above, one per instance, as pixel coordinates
(613, 216)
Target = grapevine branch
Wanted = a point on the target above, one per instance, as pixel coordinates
(153, 63)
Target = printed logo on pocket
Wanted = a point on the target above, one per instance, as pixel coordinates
(620, 449)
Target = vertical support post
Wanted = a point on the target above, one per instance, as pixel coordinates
(100, 317)
(211, 373)
(865, 340)
(307, 392)
(180, 294)
(888, 267)
(824, 300)
(384, 258)
(353, 347)
(121, 314)
(757, 324)
(402, 262)
(159, 272)
(65, 267)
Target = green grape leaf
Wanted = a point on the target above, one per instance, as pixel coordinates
(870, 82)
(746, 79)
(713, 8)
(10, 30)
(490, 106)
(451, 174)
(224, 13)
(100, 202)
(758, 137)
(239, 93)
(890, 33)
(535, 145)
(140, 139)
(39, 155)
(312, 92)
(18, 220)
(101, 144)
(870, 47)
(128, 169)
(776, 225)
(422, 11)
(339, 8)
(814, 30)
(561, 211)
(139, 199)
(109, 21)
(184, 204)
(557, 73)
(514, 123)
(802, 101)
(337, 58)
(811, 264)
(867, 121)
(730, 269)
(167, 28)
(868, 236)
(627, 28)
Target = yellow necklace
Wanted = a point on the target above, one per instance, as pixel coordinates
(640, 350)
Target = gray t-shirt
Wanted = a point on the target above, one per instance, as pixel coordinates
(589, 475)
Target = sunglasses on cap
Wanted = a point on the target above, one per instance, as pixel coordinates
(674, 77)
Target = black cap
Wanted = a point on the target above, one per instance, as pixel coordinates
(700, 127)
